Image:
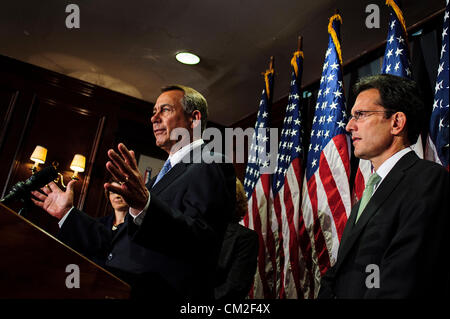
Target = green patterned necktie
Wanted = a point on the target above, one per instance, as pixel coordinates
(368, 192)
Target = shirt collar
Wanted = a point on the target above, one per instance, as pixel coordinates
(178, 156)
(388, 164)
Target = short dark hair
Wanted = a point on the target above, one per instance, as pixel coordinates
(398, 94)
(191, 101)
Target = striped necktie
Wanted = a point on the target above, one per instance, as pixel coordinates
(167, 166)
(368, 192)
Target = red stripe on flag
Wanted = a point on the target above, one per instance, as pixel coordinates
(277, 209)
(293, 241)
(335, 203)
(262, 246)
(341, 142)
(305, 246)
(270, 240)
(359, 185)
(246, 221)
(319, 240)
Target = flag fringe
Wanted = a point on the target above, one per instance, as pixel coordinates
(334, 36)
(398, 12)
(266, 79)
(294, 60)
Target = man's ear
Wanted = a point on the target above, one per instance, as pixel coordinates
(398, 123)
(195, 118)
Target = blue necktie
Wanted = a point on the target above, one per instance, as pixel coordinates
(167, 166)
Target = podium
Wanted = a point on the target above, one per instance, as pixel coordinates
(36, 265)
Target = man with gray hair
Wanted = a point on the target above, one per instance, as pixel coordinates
(180, 217)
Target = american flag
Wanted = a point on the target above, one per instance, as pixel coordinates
(257, 187)
(396, 56)
(287, 181)
(437, 141)
(326, 201)
(396, 62)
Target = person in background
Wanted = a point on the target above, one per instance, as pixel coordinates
(119, 209)
(237, 262)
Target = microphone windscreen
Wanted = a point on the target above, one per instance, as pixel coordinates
(41, 178)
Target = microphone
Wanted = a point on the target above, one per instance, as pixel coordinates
(22, 189)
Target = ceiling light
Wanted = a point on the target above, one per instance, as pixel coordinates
(187, 58)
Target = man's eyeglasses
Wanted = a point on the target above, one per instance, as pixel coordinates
(357, 115)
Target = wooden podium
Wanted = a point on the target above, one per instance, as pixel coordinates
(33, 265)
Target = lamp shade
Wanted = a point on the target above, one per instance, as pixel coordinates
(78, 163)
(39, 154)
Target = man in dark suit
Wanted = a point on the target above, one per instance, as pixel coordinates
(179, 223)
(395, 243)
(238, 257)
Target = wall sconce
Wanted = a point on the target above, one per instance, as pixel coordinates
(78, 164)
(38, 157)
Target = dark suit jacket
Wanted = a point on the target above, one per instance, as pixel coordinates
(403, 231)
(174, 252)
(237, 263)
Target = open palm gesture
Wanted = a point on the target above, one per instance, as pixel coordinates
(54, 201)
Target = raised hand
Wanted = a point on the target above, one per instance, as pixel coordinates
(54, 201)
(124, 169)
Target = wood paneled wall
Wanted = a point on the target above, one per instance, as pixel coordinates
(67, 116)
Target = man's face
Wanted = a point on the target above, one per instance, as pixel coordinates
(168, 114)
(371, 133)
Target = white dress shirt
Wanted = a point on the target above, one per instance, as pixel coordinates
(388, 164)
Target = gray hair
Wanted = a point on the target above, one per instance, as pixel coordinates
(192, 100)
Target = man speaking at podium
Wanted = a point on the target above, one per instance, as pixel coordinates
(174, 230)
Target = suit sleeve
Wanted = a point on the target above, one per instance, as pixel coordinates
(242, 271)
(198, 224)
(85, 234)
(326, 285)
(420, 244)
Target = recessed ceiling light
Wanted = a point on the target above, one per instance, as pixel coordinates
(187, 58)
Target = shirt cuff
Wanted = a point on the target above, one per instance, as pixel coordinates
(139, 218)
(61, 221)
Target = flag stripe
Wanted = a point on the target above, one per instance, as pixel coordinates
(319, 240)
(437, 146)
(286, 188)
(334, 199)
(259, 225)
(326, 197)
(290, 206)
(258, 189)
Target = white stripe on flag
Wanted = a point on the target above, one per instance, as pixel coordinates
(431, 152)
(308, 217)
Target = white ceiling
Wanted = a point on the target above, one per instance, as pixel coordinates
(129, 46)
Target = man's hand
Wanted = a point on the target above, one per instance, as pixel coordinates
(54, 201)
(124, 169)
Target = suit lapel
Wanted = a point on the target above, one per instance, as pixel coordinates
(349, 226)
(169, 177)
(352, 231)
(149, 185)
(194, 156)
